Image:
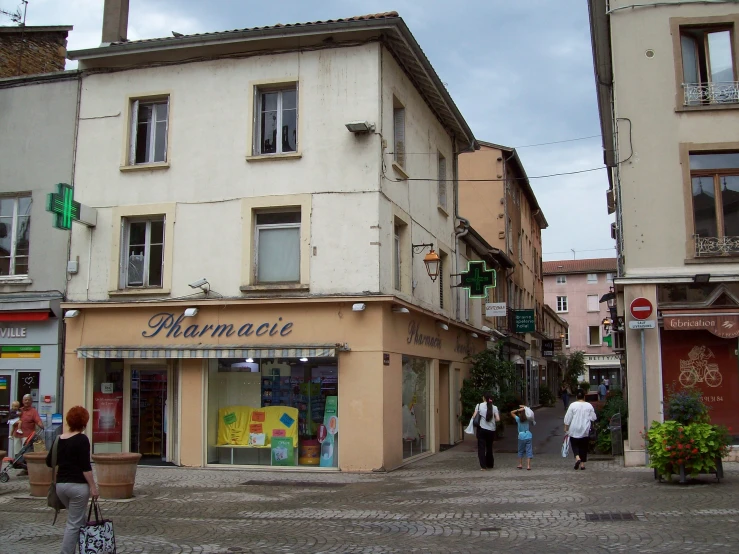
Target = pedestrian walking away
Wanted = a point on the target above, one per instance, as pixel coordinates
(74, 480)
(580, 415)
(602, 392)
(565, 394)
(607, 383)
(525, 438)
(486, 431)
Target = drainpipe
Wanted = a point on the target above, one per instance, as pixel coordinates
(464, 228)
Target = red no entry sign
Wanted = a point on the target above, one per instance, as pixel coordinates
(641, 308)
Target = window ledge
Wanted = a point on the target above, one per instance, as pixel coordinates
(145, 167)
(713, 260)
(400, 171)
(442, 210)
(15, 280)
(138, 292)
(265, 157)
(707, 108)
(290, 287)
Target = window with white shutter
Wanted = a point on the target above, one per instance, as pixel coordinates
(399, 134)
(593, 303)
(442, 189)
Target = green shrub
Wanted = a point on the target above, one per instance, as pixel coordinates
(697, 446)
(685, 406)
(615, 404)
(545, 396)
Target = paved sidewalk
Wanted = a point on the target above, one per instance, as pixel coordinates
(442, 504)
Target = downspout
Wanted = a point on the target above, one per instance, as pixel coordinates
(459, 233)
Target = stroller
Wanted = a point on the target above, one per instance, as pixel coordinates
(18, 462)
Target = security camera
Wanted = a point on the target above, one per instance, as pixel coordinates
(199, 283)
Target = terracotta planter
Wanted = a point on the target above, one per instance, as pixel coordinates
(116, 474)
(39, 476)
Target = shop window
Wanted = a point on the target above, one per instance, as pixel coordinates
(143, 258)
(15, 234)
(273, 412)
(416, 403)
(106, 419)
(278, 247)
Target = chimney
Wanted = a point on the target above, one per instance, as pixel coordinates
(115, 21)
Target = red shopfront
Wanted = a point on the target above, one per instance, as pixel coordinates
(700, 350)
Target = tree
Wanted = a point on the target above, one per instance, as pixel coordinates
(574, 368)
(489, 373)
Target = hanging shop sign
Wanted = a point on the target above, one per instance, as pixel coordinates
(725, 326)
(547, 348)
(495, 309)
(166, 325)
(524, 321)
(477, 279)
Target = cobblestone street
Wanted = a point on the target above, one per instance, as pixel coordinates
(441, 504)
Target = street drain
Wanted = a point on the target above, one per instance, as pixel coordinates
(611, 516)
(490, 530)
(303, 484)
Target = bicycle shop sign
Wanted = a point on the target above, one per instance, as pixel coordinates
(725, 326)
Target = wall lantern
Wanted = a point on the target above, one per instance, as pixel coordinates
(606, 325)
(431, 260)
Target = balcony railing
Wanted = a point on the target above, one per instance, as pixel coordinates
(717, 246)
(700, 94)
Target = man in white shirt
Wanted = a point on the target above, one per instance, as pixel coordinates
(578, 419)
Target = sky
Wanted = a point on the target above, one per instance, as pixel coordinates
(520, 72)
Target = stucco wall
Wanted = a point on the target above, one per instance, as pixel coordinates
(652, 179)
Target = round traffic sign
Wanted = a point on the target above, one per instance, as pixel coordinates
(641, 308)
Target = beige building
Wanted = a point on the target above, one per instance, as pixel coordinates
(254, 292)
(666, 76)
(496, 197)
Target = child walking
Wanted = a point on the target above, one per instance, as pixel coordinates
(525, 449)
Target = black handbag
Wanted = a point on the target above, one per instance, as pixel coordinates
(477, 418)
(52, 499)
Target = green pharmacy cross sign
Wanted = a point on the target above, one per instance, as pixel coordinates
(63, 206)
(478, 279)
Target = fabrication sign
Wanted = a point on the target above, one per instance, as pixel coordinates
(166, 325)
(524, 321)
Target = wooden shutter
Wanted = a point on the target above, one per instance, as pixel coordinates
(442, 181)
(399, 124)
(132, 141)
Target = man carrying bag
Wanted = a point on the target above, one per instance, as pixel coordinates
(97, 536)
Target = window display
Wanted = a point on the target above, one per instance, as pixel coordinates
(107, 406)
(273, 412)
(416, 437)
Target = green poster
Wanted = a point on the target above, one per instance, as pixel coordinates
(283, 452)
(331, 425)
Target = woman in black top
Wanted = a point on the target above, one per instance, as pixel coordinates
(74, 480)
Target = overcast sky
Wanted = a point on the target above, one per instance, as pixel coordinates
(520, 71)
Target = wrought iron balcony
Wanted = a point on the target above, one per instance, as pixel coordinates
(716, 246)
(699, 94)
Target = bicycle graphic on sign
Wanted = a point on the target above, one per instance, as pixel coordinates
(697, 369)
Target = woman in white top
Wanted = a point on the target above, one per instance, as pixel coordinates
(578, 418)
(486, 431)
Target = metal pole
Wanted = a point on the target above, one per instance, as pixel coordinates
(644, 394)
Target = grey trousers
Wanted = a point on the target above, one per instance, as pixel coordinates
(75, 497)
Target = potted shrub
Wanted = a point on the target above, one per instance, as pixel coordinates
(686, 443)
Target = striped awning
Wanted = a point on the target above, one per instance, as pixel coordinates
(187, 352)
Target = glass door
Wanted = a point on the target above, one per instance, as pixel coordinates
(6, 385)
(148, 413)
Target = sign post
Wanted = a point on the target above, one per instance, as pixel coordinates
(641, 308)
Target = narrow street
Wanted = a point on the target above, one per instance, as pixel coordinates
(440, 504)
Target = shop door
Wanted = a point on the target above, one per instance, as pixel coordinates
(457, 403)
(148, 414)
(6, 385)
(444, 405)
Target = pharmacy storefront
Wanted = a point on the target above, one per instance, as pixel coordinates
(299, 383)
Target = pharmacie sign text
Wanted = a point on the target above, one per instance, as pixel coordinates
(165, 324)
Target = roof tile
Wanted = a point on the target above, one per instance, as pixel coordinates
(592, 265)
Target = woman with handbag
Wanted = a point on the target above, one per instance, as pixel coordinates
(74, 480)
(578, 419)
(485, 416)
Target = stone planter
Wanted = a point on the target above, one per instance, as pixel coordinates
(116, 474)
(39, 476)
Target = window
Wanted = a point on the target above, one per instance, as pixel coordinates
(398, 260)
(715, 181)
(561, 303)
(15, 235)
(399, 133)
(609, 277)
(149, 122)
(592, 278)
(594, 335)
(567, 337)
(708, 66)
(593, 305)
(277, 121)
(143, 260)
(520, 248)
(561, 279)
(442, 182)
(416, 410)
(277, 247)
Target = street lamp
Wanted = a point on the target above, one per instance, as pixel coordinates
(431, 260)
(606, 325)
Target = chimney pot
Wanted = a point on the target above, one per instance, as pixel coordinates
(115, 21)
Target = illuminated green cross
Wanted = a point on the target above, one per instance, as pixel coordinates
(477, 279)
(63, 206)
